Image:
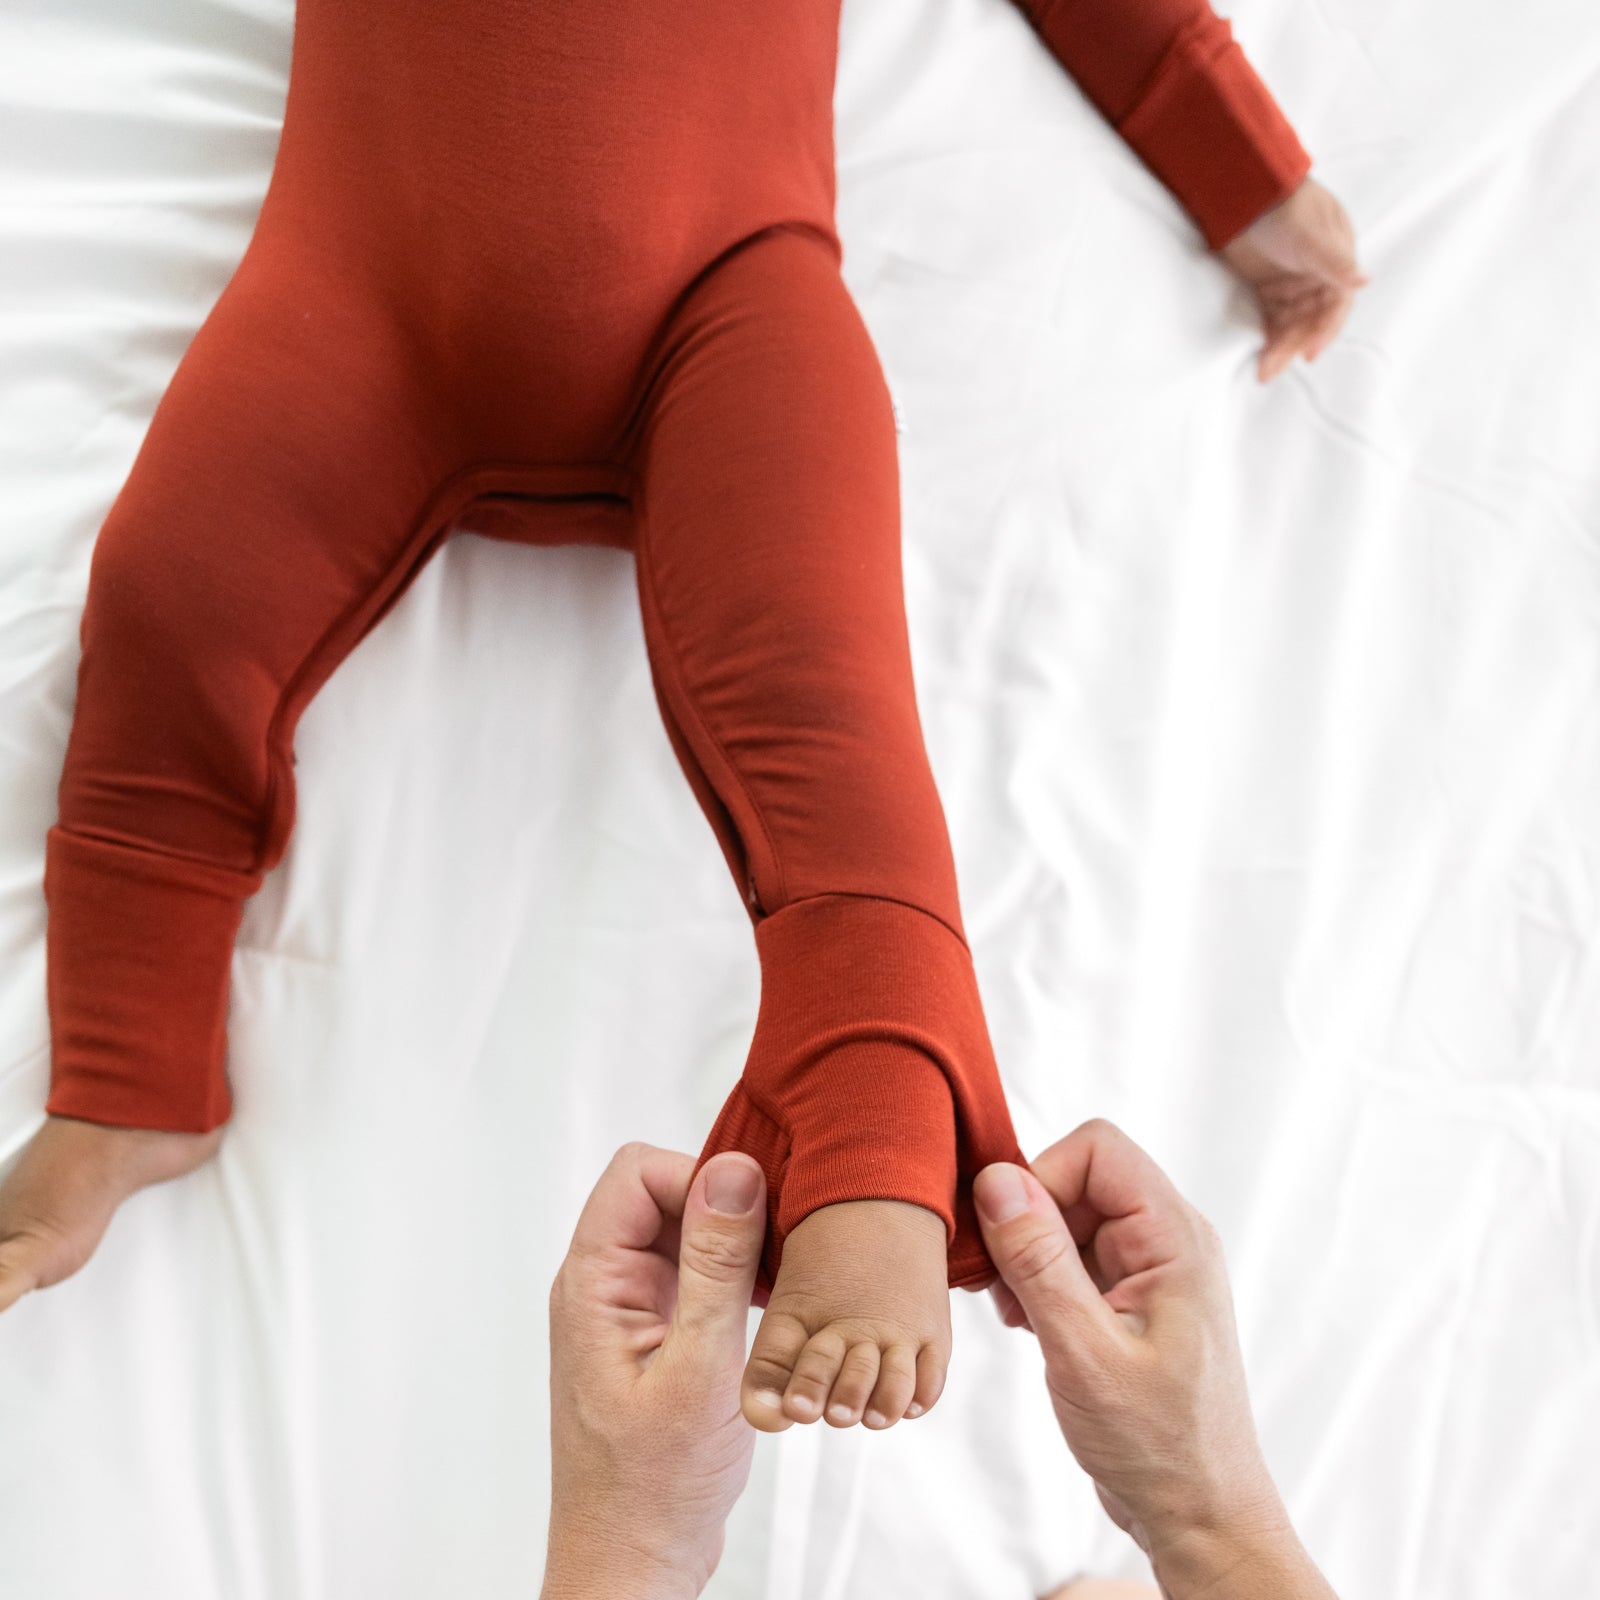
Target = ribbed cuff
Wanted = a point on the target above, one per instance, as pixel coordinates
(1210, 131)
(870, 1074)
(138, 957)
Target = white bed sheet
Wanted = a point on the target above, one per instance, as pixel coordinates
(1268, 730)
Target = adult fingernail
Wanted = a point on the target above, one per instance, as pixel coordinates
(1001, 1196)
(731, 1187)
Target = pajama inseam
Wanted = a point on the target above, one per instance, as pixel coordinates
(568, 271)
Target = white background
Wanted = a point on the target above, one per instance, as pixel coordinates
(1268, 730)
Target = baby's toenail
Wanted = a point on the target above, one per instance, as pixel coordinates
(770, 1398)
(913, 1410)
(839, 1413)
(803, 1402)
(874, 1419)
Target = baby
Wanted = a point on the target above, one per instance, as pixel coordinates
(569, 272)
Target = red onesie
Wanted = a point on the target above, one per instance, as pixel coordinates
(569, 271)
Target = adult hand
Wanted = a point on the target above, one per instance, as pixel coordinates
(647, 1345)
(1125, 1286)
(1299, 260)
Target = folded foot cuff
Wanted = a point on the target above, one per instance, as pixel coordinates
(870, 1075)
(139, 954)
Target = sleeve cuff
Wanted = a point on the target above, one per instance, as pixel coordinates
(1206, 126)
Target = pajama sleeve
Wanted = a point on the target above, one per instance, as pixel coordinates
(1171, 79)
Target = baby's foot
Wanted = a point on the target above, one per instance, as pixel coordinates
(857, 1327)
(66, 1186)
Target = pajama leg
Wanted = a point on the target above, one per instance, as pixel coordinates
(275, 510)
(768, 546)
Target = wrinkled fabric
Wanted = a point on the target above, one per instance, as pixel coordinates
(1264, 724)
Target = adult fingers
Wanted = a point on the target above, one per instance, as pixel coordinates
(641, 1191)
(1033, 1250)
(724, 1224)
(1009, 1307)
(1099, 1167)
(1121, 1207)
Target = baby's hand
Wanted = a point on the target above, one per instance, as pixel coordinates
(1300, 260)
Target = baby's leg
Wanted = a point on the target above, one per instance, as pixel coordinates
(270, 516)
(770, 583)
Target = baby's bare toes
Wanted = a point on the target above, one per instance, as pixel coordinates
(815, 1369)
(896, 1385)
(853, 1387)
(931, 1365)
(773, 1354)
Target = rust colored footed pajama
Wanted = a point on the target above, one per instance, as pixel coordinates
(571, 270)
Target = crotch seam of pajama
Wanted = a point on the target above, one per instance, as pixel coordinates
(438, 515)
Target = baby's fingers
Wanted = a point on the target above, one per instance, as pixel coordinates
(1329, 322)
(1305, 329)
(1283, 345)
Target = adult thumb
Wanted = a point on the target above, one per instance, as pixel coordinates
(1033, 1250)
(719, 1249)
